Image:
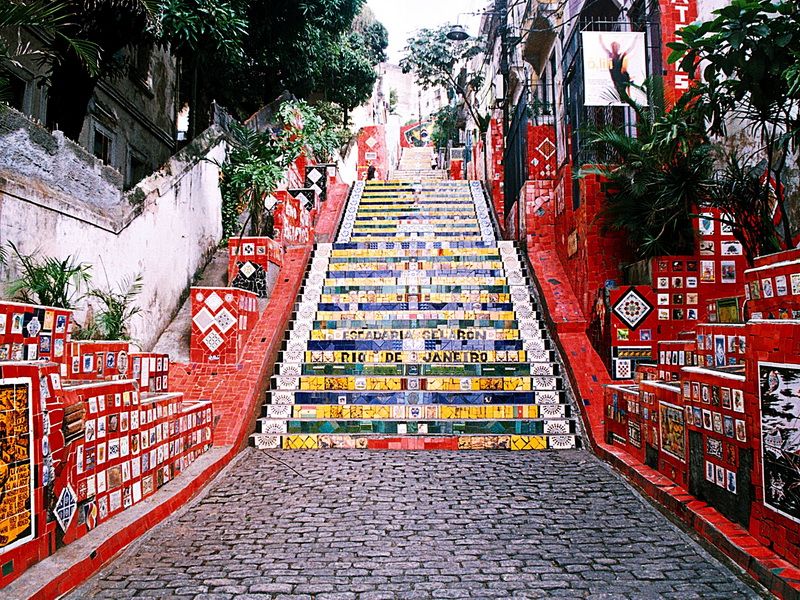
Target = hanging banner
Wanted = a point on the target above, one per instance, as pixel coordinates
(613, 64)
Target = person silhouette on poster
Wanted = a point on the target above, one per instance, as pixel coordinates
(370, 171)
(618, 67)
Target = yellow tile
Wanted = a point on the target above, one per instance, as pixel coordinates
(528, 442)
(448, 412)
(300, 442)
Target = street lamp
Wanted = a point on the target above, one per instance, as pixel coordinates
(457, 33)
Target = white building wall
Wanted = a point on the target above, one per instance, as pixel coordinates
(166, 228)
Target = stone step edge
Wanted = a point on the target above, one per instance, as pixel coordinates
(415, 442)
(265, 406)
(554, 372)
(284, 361)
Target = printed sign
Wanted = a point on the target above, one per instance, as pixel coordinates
(17, 502)
(779, 391)
(613, 64)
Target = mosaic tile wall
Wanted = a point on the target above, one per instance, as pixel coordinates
(719, 415)
(30, 332)
(249, 260)
(222, 319)
(75, 453)
(416, 329)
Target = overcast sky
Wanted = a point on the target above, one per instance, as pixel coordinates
(403, 17)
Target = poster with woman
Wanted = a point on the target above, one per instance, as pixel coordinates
(614, 68)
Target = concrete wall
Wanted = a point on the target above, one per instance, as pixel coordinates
(58, 200)
(135, 109)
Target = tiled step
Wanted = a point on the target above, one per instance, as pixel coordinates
(415, 356)
(441, 383)
(416, 329)
(471, 426)
(410, 397)
(414, 412)
(417, 442)
(415, 370)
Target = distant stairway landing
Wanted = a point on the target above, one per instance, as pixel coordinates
(417, 330)
(415, 165)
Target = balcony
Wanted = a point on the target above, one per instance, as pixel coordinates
(541, 34)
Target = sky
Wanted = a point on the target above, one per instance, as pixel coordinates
(403, 17)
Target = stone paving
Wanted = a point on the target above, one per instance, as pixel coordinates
(339, 525)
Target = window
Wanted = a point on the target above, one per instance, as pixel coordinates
(17, 95)
(103, 145)
(138, 168)
(140, 70)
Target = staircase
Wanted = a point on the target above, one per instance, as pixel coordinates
(417, 330)
(415, 165)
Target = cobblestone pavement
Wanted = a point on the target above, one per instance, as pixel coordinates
(339, 525)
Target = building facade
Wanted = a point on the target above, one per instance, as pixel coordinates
(130, 122)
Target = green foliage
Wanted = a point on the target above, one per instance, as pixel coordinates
(373, 33)
(252, 170)
(203, 27)
(257, 162)
(738, 192)
(49, 281)
(243, 53)
(656, 179)
(291, 46)
(55, 20)
(438, 62)
(749, 52)
(393, 100)
(317, 128)
(350, 73)
(334, 125)
(112, 322)
(445, 126)
(434, 59)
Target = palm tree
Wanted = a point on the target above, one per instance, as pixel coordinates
(53, 18)
(656, 179)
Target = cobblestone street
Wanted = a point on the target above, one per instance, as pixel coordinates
(348, 524)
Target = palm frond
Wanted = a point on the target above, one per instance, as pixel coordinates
(113, 320)
(49, 281)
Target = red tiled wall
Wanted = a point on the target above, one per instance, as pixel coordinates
(258, 250)
(456, 169)
(293, 225)
(631, 345)
(30, 332)
(732, 338)
(624, 420)
(772, 287)
(718, 411)
(668, 431)
(672, 356)
(21, 549)
(674, 15)
(376, 134)
(773, 343)
(590, 257)
(150, 370)
(496, 147)
(93, 448)
(222, 319)
(407, 131)
(96, 360)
